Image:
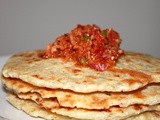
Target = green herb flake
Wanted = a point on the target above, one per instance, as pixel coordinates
(84, 61)
(104, 32)
(86, 38)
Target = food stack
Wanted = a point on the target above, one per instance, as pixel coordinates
(57, 89)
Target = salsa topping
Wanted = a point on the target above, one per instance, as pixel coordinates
(87, 45)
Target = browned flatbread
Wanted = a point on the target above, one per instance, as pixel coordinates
(148, 95)
(36, 111)
(133, 71)
(114, 113)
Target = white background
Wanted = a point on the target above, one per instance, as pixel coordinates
(32, 24)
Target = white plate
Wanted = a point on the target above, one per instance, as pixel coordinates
(7, 111)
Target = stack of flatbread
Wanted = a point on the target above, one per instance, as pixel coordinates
(60, 90)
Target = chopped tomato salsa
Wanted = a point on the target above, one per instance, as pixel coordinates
(87, 45)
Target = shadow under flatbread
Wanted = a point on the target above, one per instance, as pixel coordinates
(2, 118)
(3, 88)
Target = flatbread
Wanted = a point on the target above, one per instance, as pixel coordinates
(113, 113)
(34, 110)
(151, 115)
(133, 71)
(148, 95)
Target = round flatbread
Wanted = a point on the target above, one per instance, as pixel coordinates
(114, 113)
(133, 70)
(148, 95)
